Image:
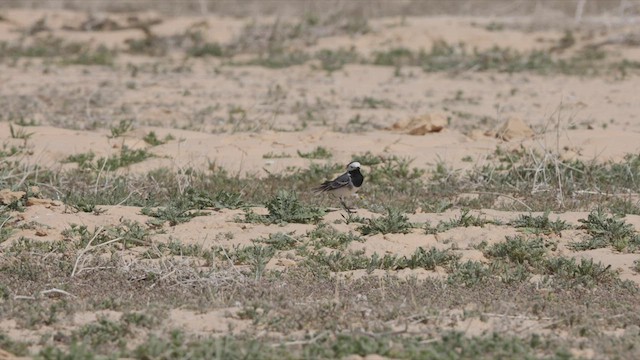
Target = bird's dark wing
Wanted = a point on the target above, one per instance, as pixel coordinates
(339, 182)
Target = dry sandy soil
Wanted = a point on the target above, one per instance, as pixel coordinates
(250, 114)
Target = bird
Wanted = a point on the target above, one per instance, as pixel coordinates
(344, 185)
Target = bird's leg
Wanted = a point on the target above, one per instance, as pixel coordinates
(346, 208)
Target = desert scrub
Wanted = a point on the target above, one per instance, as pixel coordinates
(465, 219)
(317, 153)
(393, 222)
(152, 139)
(586, 272)
(57, 49)
(539, 224)
(606, 231)
(285, 207)
(279, 241)
(519, 250)
(338, 261)
(182, 208)
(519, 174)
(324, 235)
(124, 158)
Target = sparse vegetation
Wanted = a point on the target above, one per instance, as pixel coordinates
(465, 220)
(607, 231)
(152, 139)
(540, 224)
(393, 222)
(317, 153)
(103, 258)
(286, 207)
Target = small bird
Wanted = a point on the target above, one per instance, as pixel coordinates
(344, 185)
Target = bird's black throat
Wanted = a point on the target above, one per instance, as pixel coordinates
(356, 177)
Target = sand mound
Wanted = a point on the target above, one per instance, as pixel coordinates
(513, 129)
(421, 125)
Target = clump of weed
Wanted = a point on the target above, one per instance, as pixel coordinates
(152, 139)
(369, 102)
(317, 153)
(519, 250)
(103, 333)
(539, 224)
(125, 158)
(429, 259)
(333, 60)
(123, 127)
(393, 222)
(396, 57)
(272, 155)
(465, 219)
(57, 49)
(607, 231)
(17, 348)
(469, 273)
(280, 241)
(84, 160)
(324, 235)
(586, 272)
(257, 256)
(182, 209)
(338, 261)
(394, 170)
(285, 207)
(206, 49)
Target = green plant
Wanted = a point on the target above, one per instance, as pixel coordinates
(317, 153)
(432, 258)
(175, 214)
(83, 160)
(123, 127)
(519, 250)
(103, 332)
(333, 60)
(152, 139)
(464, 220)
(17, 348)
(286, 207)
(468, 273)
(540, 224)
(279, 241)
(19, 133)
(206, 49)
(272, 155)
(586, 272)
(606, 230)
(369, 102)
(257, 256)
(125, 158)
(325, 235)
(396, 57)
(393, 222)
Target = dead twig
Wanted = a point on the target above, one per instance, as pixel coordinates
(56, 291)
(89, 248)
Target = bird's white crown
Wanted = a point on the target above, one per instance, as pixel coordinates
(353, 166)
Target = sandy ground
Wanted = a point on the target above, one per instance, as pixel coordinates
(74, 106)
